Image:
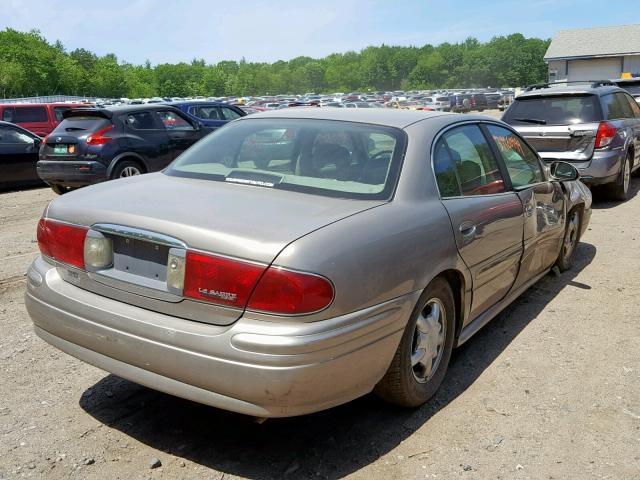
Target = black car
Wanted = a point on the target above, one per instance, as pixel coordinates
(460, 103)
(18, 156)
(493, 100)
(478, 102)
(94, 145)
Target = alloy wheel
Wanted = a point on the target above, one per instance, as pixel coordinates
(428, 340)
(129, 172)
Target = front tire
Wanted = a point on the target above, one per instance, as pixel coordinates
(59, 189)
(570, 241)
(422, 358)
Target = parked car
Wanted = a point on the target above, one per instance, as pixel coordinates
(438, 103)
(596, 126)
(478, 101)
(460, 103)
(283, 286)
(506, 99)
(631, 85)
(94, 145)
(211, 115)
(493, 100)
(357, 105)
(38, 118)
(18, 156)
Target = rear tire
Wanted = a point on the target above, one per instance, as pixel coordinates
(59, 189)
(421, 360)
(126, 168)
(570, 240)
(619, 190)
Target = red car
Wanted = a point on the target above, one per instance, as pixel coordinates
(38, 118)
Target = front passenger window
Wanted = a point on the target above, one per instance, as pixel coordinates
(470, 161)
(522, 164)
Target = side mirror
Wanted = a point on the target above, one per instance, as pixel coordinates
(37, 142)
(564, 171)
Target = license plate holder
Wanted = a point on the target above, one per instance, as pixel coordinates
(60, 149)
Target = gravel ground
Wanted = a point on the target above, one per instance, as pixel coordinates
(549, 389)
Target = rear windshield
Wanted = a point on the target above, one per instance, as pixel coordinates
(322, 157)
(80, 124)
(561, 110)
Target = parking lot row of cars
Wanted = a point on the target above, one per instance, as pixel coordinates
(588, 124)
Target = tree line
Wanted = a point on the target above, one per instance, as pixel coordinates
(30, 65)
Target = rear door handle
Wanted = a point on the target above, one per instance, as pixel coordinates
(468, 230)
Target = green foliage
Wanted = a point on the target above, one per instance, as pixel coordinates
(30, 65)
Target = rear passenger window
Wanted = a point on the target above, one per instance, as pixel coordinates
(29, 115)
(467, 156)
(141, 121)
(7, 115)
(635, 108)
(173, 121)
(58, 112)
(13, 136)
(522, 164)
(616, 106)
(206, 113)
(229, 114)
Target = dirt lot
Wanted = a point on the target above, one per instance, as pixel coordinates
(549, 389)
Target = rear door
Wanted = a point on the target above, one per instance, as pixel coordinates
(18, 156)
(543, 201)
(209, 115)
(148, 137)
(559, 127)
(487, 217)
(621, 109)
(635, 123)
(182, 133)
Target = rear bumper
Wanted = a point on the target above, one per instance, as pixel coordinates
(71, 173)
(604, 166)
(256, 367)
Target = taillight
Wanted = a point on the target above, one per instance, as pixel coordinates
(219, 279)
(62, 242)
(98, 137)
(605, 135)
(291, 293)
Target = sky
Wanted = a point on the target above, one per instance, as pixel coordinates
(171, 31)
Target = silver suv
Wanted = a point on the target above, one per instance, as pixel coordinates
(595, 125)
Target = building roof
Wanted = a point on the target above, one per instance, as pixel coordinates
(595, 42)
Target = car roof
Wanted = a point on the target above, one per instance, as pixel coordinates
(53, 104)
(570, 90)
(178, 103)
(377, 116)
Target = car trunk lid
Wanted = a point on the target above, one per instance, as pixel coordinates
(69, 138)
(148, 216)
(559, 126)
(562, 142)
